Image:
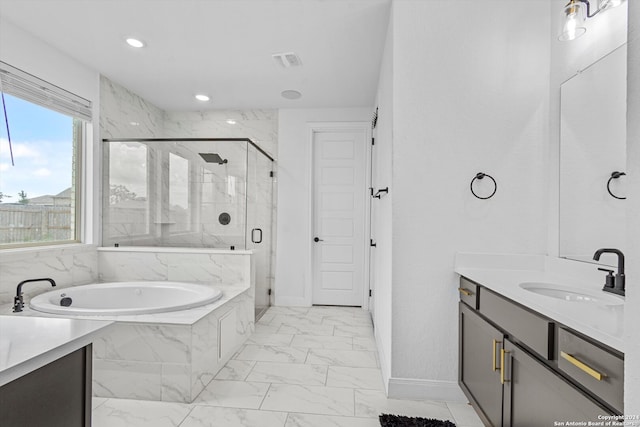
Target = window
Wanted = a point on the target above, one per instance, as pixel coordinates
(40, 163)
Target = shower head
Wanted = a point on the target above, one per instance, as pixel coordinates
(213, 158)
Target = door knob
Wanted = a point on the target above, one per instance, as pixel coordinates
(317, 239)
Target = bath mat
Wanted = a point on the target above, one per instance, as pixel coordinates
(388, 420)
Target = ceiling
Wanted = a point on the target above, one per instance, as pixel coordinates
(221, 48)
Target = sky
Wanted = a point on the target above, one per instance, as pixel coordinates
(42, 142)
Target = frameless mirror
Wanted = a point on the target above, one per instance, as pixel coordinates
(593, 159)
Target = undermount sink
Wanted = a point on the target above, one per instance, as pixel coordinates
(568, 293)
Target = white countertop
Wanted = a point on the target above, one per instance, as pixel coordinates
(28, 343)
(604, 323)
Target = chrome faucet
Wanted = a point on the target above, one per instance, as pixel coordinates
(18, 302)
(616, 285)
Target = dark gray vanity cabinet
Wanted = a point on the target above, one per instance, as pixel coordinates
(521, 369)
(479, 364)
(55, 395)
(535, 396)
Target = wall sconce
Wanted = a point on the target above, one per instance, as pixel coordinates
(575, 14)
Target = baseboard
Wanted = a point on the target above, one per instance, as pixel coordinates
(416, 389)
(292, 301)
(384, 364)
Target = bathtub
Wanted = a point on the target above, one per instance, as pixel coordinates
(125, 298)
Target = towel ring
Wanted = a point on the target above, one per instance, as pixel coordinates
(615, 175)
(481, 175)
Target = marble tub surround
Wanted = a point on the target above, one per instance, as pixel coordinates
(504, 273)
(28, 343)
(72, 264)
(170, 359)
(209, 266)
(253, 390)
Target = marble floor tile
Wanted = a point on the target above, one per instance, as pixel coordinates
(262, 328)
(233, 394)
(372, 403)
(210, 416)
(309, 420)
(296, 319)
(326, 330)
(236, 370)
(364, 343)
(287, 310)
(267, 353)
(337, 311)
(326, 342)
(288, 373)
(309, 399)
(353, 331)
(464, 415)
(347, 321)
(139, 413)
(362, 378)
(270, 339)
(351, 358)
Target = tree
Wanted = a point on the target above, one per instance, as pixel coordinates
(23, 197)
(3, 196)
(119, 193)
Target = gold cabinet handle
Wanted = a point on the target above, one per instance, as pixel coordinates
(502, 353)
(582, 366)
(495, 350)
(467, 292)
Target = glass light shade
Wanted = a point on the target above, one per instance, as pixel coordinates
(574, 16)
(612, 3)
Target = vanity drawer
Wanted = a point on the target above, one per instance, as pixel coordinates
(469, 292)
(598, 370)
(532, 330)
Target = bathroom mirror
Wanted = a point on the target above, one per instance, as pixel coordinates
(593, 158)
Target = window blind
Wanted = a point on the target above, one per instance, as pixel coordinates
(30, 88)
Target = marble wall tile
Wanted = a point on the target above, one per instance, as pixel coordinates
(127, 266)
(176, 383)
(213, 269)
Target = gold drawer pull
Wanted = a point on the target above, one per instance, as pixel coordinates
(467, 292)
(582, 366)
(502, 353)
(493, 362)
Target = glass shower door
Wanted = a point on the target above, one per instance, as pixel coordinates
(259, 217)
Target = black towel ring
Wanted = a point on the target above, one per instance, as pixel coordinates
(481, 175)
(615, 175)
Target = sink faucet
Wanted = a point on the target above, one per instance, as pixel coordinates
(617, 287)
(18, 303)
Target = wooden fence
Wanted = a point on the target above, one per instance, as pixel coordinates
(35, 223)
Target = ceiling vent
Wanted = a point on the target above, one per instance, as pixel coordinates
(287, 59)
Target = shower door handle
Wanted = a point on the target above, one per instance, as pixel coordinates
(317, 239)
(253, 238)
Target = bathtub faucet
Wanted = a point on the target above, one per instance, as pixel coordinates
(18, 303)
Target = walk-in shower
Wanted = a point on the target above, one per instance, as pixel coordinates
(208, 193)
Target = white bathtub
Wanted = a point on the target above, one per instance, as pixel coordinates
(125, 298)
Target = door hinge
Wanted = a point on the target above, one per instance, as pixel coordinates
(271, 174)
(373, 141)
(372, 243)
(269, 291)
(369, 292)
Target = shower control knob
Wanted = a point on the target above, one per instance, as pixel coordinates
(317, 239)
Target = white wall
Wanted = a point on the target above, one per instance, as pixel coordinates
(68, 264)
(294, 234)
(381, 229)
(605, 33)
(470, 97)
(632, 317)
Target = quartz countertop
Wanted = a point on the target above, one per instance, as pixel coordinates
(604, 323)
(28, 343)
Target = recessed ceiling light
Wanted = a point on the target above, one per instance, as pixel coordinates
(291, 94)
(134, 123)
(201, 97)
(231, 121)
(135, 42)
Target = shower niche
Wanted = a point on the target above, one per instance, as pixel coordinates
(196, 193)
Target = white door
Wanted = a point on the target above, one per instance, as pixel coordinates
(339, 195)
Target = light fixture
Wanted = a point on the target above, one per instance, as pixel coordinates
(231, 121)
(135, 42)
(291, 94)
(575, 14)
(201, 97)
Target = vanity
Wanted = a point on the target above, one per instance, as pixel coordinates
(45, 371)
(539, 347)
